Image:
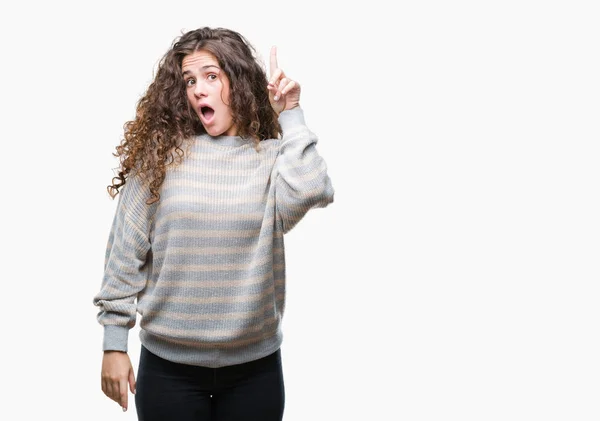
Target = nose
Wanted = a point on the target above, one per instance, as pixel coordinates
(200, 89)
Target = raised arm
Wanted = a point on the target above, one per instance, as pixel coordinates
(300, 173)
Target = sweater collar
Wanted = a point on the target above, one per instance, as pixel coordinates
(224, 140)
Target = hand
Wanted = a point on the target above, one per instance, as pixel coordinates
(117, 371)
(284, 93)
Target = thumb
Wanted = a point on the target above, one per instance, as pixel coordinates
(132, 381)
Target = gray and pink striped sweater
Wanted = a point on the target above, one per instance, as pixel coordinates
(205, 265)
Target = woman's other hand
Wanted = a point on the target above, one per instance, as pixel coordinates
(117, 374)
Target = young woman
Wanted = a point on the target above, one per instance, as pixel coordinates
(216, 167)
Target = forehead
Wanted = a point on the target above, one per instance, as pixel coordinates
(198, 59)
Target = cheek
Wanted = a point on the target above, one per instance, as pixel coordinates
(224, 91)
(226, 95)
(190, 95)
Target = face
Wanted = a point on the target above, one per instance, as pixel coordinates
(207, 89)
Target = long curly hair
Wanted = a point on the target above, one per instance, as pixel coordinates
(164, 118)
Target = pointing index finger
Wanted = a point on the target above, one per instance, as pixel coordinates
(273, 59)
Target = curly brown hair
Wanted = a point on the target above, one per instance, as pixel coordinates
(164, 118)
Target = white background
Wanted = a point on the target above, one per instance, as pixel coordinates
(455, 277)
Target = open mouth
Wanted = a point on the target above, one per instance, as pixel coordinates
(207, 113)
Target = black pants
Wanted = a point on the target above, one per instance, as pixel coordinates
(168, 391)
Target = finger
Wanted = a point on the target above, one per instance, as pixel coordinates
(108, 389)
(104, 386)
(282, 84)
(274, 92)
(273, 59)
(291, 85)
(275, 75)
(132, 382)
(116, 396)
(123, 394)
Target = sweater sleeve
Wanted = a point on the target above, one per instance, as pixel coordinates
(124, 271)
(301, 179)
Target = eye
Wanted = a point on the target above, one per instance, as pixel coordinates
(212, 76)
(189, 82)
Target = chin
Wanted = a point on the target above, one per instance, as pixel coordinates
(213, 131)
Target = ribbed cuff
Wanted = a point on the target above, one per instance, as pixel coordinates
(115, 338)
(291, 118)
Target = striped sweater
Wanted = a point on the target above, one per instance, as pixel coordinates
(205, 265)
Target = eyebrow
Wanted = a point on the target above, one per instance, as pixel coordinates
(189, 72)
